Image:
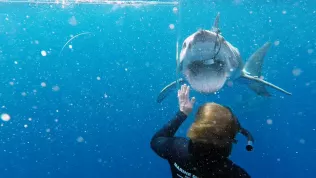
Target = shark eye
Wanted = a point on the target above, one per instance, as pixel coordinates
(184, 45)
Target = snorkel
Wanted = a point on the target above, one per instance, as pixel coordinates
(250, 139)
(245, 132)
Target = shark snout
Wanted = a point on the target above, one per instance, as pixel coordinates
(202, 36)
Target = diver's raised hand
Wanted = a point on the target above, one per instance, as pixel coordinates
(185, 104)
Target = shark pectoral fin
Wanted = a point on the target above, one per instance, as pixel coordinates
(258, 85)
(168, 89)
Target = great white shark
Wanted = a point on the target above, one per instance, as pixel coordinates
(207, 61)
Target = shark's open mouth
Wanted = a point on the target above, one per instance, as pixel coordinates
(206, 77)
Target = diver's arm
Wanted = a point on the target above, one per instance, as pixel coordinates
(169, 129)
(164, 141)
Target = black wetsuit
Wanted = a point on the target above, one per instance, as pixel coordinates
(186, 159)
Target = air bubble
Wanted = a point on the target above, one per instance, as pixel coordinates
(5, 117)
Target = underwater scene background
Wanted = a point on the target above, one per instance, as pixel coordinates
(87, 108)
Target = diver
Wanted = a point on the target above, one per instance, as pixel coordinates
(204, 154)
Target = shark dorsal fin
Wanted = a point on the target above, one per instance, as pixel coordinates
(215, 27)
(254, 64)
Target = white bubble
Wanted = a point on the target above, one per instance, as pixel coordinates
(310, 51)
(80, 139)
(47, 130)
(72, 21)
(11, 83)
(15, 62)
(23, 93)
(250, 12)
(70, 46)
(43, 84)
(171, 26)
(56, 88)
(269, 121)
(25, 126)
(276, 43)
(175, 10)
(296, 72)
(5, 117)
(30, 119)
(284, 12)
(98, 78)
(105, 95)
(56, 120)
(43, 53)
(302, 141)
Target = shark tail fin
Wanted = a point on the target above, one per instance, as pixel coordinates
(252, 72)
(168, 89)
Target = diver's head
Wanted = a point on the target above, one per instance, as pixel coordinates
(216, 125)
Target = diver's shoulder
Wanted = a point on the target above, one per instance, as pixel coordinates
(238, 171)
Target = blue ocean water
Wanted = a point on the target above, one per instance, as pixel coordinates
(89, 110)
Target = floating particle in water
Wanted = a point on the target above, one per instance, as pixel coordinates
(302, 141)
(23, 93)
(47, 130)
(43, 84)
(175, 10)
(56, 120)
(72, 21)
(11, 83)
(250, 12)
(6, 18)
(80, 139)
(30, 119)
(276, 43)
(147, 64)
(278, 159)
(126, 69)
(55, 88)
(105, 95)
(310, 51)
(36, 42)
(27, 16)
(15, 62)
(171, 26)
(99, 160)
(43, 53)
(284, 12)
(296, 72)
(5, 117)
(269, 121)
(98, 78)
(70, 46)
(230, 83)
(25, 126)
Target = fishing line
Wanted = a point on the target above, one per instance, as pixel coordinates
(178, 22)
(84, 33)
